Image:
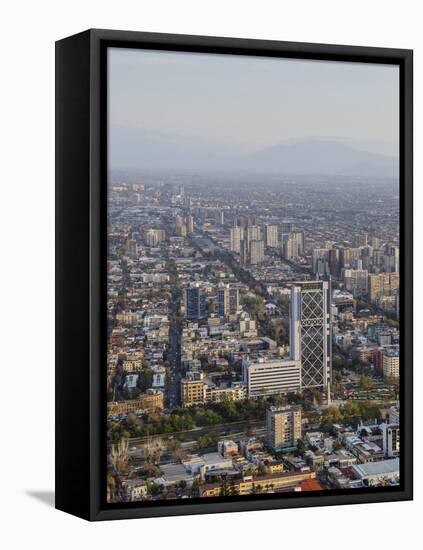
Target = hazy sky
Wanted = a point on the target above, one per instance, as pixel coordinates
(248, 103)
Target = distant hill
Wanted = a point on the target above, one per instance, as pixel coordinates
(136, 148)
(321, 157)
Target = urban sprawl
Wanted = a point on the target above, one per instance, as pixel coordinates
(253, 335)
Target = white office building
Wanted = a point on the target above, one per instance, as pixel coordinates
(272, 377)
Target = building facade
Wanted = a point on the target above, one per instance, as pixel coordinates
(256, 252)
(391, 440)
(391, 362)
(310, 332)
(195, 303)
(283, 427)
(237, 235)
(271, 235)
(272, 377)
(227, 300)
(193, 392)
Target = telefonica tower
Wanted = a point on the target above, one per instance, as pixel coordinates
(310, 332)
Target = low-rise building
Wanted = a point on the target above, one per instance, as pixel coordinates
(269, 483)
(199, 465)
(151, 401)
(314, 460)
(135, 490)
(173, 474)
(227, 447)
(378, 473)
(197, 391)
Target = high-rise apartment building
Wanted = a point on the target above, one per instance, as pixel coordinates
(271, 235)
(391, 362)
(355, 257)
(290, 248)
(349, 257)
(377, 259)
(227, 300)
(237, 235)
(366, 257)
(344, 257)
(382, 284)
(319, 261)
(244, 254)
(293, 245)
(356, 281)
(253, 233)
(391, 258)
(153, 237)
(283, 427)
(189, 223)
(256, 252)
(299, 238)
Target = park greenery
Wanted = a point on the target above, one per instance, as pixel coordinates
(351, 412)
(187, 418)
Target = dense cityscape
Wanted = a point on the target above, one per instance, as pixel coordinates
(253, 334)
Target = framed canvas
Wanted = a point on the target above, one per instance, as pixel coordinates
(234, 274)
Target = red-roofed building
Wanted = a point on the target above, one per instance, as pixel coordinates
(310, 485)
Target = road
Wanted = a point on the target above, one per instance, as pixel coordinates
(175, 330)
(228, 429)
(243, 274)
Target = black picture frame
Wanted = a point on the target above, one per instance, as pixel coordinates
(81, 181)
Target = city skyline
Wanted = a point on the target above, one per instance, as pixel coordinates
(241, 317)
(253, 312)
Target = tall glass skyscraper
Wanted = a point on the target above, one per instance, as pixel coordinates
(310, 332)
(195, 303)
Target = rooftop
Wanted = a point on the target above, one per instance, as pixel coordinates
(377, 468)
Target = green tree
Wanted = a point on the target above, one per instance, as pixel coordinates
(332, 415)
(337, 361)
(365, 382)
(145, 379)
(301, 448)
(150, 469)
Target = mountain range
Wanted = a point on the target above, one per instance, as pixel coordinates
(138, 149)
